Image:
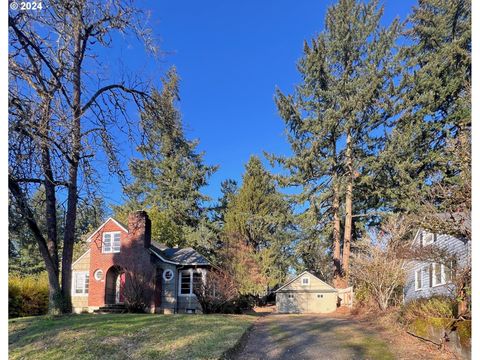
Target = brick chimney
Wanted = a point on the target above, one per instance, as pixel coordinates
(139, 228)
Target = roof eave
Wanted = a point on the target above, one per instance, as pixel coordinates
(101, 226)
(295, 278)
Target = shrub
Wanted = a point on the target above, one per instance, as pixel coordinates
(376, 266)
(434, 307)
(247, 302)
(464, 330)
(28, 295)
(218, 294)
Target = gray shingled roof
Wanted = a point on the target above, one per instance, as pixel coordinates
(182, 256)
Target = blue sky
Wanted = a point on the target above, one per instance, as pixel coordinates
(231, 55)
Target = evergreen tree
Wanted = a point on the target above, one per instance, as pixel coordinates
(261, 219)
(435, 107)
(336, 118)
(170, 174)
(229, 189)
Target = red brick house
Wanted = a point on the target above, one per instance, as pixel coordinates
(124, 264)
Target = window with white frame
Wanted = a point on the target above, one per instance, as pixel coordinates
(448, 272)
(98, 274)
(168, 275)
(441, 274)
(305, 280)
(418, 279)
(111, 242)
(197, 281)
(189, 280)
(80, 286)
(428, 239)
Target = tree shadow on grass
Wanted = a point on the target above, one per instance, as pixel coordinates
(122, 336)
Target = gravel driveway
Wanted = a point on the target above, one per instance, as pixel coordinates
(280, 336)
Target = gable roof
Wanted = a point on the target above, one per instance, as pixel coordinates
(123, 227)
(177, 256)
(300, 275)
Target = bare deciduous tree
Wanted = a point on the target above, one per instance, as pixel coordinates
(376, 264)
(62, 109)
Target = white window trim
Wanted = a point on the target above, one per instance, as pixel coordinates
(96, 273)
(421, 279)
(164, 275)
(74, 283)
(308, 281)
(112, 234)
(190, 271)
(430, 237)
(442, 275)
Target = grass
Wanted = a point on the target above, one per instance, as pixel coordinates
(125, 336)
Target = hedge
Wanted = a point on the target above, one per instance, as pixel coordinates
(28, 295)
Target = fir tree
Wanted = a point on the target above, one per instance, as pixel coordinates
(170, 174)
(435, 106)
(336, 117)
(259, 216)
(228, 189)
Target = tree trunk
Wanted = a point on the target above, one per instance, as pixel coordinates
(347, 236)
(337, 272)
(55, 305)
(56, 300)
(383, 304)
(49, 185)
(72, 199)
(338, 280)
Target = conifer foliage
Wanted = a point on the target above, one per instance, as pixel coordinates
(430, 143)
(336, 115)
(170, 173)
(259, 221)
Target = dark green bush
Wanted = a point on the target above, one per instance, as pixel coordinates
(247, 302)
(434, 307)
(27, 296)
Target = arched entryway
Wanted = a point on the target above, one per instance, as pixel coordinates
(115, 286)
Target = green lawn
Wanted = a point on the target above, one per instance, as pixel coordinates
(125, 336)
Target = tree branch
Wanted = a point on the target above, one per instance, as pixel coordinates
(108, 88)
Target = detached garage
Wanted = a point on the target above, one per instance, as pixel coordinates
(306, 293)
